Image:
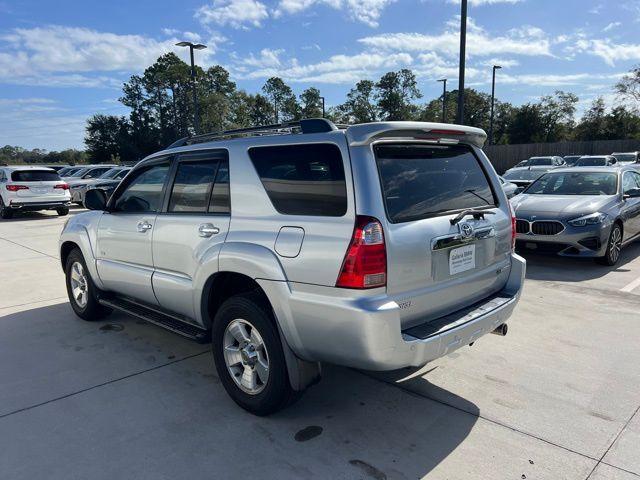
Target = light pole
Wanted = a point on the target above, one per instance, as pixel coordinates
(322, 98)
(444, 100)
(493, 100)
(463, 55)
(192, 47)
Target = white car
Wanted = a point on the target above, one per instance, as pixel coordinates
(32, 188)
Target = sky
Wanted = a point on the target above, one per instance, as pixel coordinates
(62, 61)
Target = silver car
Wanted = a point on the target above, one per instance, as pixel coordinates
(580, 212)
(377, 246)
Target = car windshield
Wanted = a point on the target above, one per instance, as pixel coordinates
(78, 173)
(540, 161)
(35, 176)
(110, 173)
(592, 162)
(571, 160)
(625, 157)
(71, 171)
(575, 183)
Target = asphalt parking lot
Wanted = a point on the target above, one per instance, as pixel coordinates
(558, 398)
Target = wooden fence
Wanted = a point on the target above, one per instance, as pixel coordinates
(504, 157)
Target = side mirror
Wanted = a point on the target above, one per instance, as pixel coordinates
(632, 193)
(95, 199)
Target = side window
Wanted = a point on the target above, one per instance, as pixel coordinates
(629, 182)
(220, 199)
(144, 192)
(303, 179)
(636, 176)
(192, 186)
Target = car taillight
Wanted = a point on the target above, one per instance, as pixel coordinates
(513, 227)
(365, 264)
(62, 186)
(15, 188)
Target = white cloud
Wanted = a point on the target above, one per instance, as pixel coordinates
(609, 51)
(611, 26)
(527, 41)
(555, 80)
(365, 11)
(478, 3)
(267, 58)
(235, 13)
(76, 57)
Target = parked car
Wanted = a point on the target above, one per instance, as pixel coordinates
(522, 177)
(79, 186)
(541, 163)
(580, 212)
(627, 158)
(106, 182)
(69, 171)
(510, 189)
(87, 172)
(596, 161)
(57, 168)
(536, 165)
(570, 160)
(294, 249)
(32, 189)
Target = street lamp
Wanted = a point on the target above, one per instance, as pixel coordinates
(444, 100)
(192, 47)
(322, 98)
(463, 55)
(493, 99)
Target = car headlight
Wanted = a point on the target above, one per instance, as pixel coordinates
(591, 219)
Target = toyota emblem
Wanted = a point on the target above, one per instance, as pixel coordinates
(466, 230)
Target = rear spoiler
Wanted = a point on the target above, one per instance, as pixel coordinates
(444, 133)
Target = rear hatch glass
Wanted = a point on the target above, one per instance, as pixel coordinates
(435, 267)
(421, 181)
(35, 176)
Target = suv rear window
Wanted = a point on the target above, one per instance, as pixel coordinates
(303, 179)
(421, 181)
(35, 176)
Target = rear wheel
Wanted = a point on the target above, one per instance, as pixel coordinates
(62, 211)
(614, 247)
(249, 357)
(81, 289)
(5, 213)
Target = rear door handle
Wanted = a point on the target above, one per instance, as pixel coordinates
(143, 226)
(207, 229)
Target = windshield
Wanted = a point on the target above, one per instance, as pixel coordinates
(35, 176)
(592, 162)
(110, 173)
(625, 157)
(420, 181)
(72, 171)
(78, 173)
(540, 161)
(575, 183)
(571, 160)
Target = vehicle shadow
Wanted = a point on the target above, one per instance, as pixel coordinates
(566, 269)
(365, 427)
(41, 215)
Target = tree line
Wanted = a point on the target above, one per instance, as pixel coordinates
(161, 110)
(17, 155)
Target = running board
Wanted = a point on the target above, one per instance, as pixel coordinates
(165, 320)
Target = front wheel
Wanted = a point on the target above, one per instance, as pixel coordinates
(81, 289)
(614, 247)
(5, 212)
(249, 357)
(62, 211)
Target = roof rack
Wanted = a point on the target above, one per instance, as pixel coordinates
(307, 125)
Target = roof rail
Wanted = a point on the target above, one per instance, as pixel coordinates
(307, 125)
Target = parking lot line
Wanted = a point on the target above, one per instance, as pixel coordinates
(631, 286)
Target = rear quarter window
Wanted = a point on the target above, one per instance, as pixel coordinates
(421, 181)
(303, 179)
(35, 176)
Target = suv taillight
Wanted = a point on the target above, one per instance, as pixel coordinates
(15, 188)
(365, 264)
(62, 186)
(513, 228)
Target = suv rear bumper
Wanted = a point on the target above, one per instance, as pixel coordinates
(39, 205)
(366, 333)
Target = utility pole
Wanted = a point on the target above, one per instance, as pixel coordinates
(192, 47)
(463, 55)
(323, 114)
(444, 100)
(493, 100)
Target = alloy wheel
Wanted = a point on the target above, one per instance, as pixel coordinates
(79, 284)
(246, 356)
(615, 245)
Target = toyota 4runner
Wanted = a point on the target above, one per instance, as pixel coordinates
(376, 246)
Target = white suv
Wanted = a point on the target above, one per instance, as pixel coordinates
(32, 188)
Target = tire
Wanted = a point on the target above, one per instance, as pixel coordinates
(242, 372)
(5, 213)
(614, 246)
(86, 305)
(62, 211)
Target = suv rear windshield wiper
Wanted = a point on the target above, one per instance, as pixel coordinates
(477, 213)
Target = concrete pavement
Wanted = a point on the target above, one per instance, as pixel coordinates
(557, 398)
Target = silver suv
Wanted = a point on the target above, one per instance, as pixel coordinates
(375, 246)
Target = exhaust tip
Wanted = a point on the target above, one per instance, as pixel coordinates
(501, 330)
